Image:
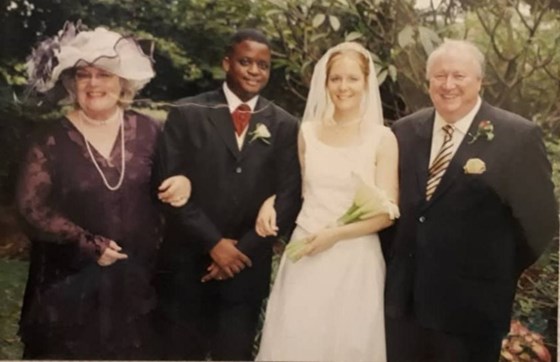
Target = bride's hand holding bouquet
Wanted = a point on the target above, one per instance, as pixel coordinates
(312, 244)
(369, 201)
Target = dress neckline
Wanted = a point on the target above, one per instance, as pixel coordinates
(313, 133)
(92, 147)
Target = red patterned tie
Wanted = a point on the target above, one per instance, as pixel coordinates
(241, 117)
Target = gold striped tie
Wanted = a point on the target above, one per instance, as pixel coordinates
(441, 162)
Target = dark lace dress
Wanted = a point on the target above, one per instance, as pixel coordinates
(73, 308)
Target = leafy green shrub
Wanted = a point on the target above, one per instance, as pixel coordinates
(13, 275)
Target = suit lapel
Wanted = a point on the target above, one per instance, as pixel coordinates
(222, 121)
(424, 132)
(465, 151)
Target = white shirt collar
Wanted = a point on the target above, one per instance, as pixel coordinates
(463, 124)
(233, 100)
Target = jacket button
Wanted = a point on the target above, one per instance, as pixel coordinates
(422, 218)
(238, 170)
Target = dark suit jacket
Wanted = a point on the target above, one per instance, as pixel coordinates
(455, 260)
(229, 187)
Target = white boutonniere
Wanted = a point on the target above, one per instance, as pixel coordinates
(261, 132)
(474, 166)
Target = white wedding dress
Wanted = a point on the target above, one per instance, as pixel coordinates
(329, 307)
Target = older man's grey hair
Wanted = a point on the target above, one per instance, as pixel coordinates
(452, 46)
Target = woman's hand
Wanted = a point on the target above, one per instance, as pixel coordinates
(175, 190)
(111, 254)
(266, 219)
(321, 241)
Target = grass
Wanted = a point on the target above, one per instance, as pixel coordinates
(13, 275)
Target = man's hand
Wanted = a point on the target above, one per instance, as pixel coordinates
(214, 273)
(228, 257)
(111, 254)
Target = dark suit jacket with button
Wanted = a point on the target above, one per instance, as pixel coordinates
(228, 188)
(454, 261)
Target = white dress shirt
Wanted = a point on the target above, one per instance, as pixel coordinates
(233, 102)
(460, 129)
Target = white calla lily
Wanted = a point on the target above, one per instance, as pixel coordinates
(369, 201)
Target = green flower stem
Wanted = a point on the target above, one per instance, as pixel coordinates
(351, 215)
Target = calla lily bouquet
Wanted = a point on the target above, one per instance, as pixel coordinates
(369, 201)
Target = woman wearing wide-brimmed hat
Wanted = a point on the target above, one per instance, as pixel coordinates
(86, 191)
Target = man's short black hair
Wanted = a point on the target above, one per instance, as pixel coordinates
(246, 34)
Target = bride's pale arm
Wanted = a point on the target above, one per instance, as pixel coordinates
(387, 180)
(387, 164)
(301, 154)
(266, 219)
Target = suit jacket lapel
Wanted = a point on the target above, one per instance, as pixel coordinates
(424, 132)
(465, 151)
(221, 118)
(261, 114)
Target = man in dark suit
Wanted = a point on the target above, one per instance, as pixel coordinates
(477, 208)
(237, 148)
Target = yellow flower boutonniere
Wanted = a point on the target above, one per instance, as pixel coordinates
(261, 132)
(474, 166)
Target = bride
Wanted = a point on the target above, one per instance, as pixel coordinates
(328, 306)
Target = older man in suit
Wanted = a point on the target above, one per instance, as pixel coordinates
(237, 148)
(477, 208)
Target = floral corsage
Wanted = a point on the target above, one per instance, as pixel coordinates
(261, 132)
(485, 130)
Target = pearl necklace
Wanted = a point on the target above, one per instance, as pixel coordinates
(119, 115)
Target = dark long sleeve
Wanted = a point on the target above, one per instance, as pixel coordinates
(531, 196)
(173, 159)
(287, 187)
(33, 197)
